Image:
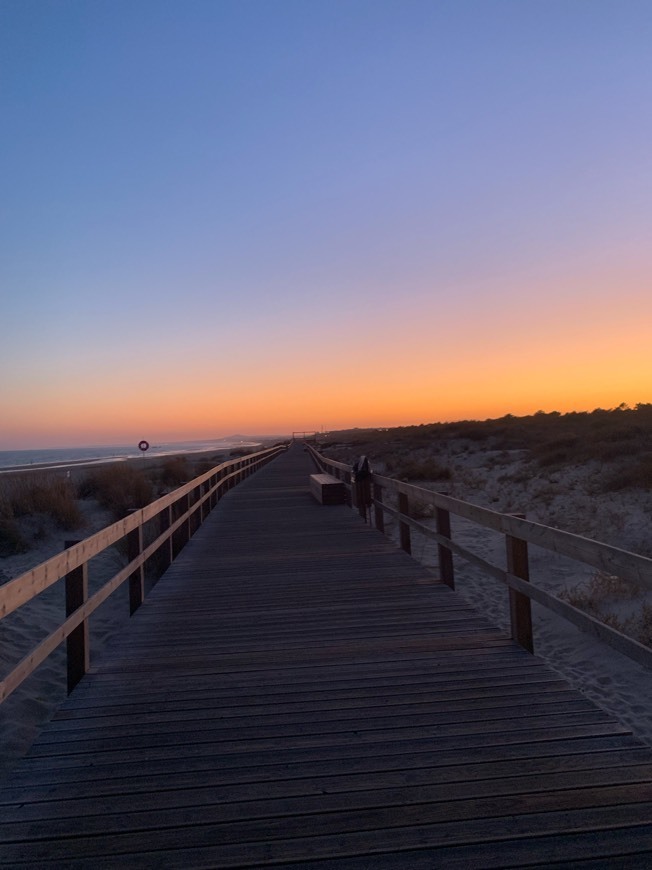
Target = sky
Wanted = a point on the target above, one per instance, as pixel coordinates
(261, 216)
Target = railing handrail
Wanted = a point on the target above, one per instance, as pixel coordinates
(207, 488)
(630, 566)
(518, 531)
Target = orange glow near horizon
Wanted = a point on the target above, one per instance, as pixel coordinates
(489, 356)
(355, 390)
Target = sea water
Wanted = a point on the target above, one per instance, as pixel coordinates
(61, 457)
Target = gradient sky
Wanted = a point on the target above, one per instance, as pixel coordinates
(274, 215)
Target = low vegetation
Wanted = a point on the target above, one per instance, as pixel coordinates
(32, 502)
(607, 597)
(48, 496)
(418, 469)
(619, 439)
(119, 487)
(175, 471)
(12, 540)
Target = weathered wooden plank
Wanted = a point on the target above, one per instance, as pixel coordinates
(362, 832)
(428, 802)
(211, 719)
(370, 787)
(457, 667)
(169, 711)
(117, 687)
(256, 767)
(623, 848)
(323, 746)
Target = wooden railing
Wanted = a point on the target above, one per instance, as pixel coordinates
(157, 531)
(518, 533)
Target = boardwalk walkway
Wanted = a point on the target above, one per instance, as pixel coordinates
(297, 691)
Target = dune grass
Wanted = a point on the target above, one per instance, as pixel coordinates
(602, 595)
(175, 471)
(118, 487)
(619, 438)
(27, 495)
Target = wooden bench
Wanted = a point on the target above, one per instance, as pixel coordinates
(327, 489)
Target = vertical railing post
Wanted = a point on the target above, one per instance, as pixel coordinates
(137, 577)
(164, 523)
(520, 609)
(187, 526)
(77, 648)
(446, 571)
(196, 519)
(404, 529)
(379, 514)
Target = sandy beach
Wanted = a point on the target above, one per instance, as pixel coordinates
(502, 480)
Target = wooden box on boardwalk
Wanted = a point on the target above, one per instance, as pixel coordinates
(327, 489)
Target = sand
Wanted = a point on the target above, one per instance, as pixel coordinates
(502, 481)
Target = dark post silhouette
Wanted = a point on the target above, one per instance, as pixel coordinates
(77, 649)
(519, 605)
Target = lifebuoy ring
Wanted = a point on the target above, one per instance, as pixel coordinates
(143, 445)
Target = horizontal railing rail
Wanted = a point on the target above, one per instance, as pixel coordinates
(518, 532)
(175, 516)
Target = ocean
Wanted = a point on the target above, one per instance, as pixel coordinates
(63, 457)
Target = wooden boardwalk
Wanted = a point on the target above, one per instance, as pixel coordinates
(297, 692)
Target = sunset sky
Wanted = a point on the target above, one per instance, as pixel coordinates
(273, 215)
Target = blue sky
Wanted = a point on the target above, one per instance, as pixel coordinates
(193, 192)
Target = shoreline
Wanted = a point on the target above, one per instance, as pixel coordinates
(46, 459)
(81, 464)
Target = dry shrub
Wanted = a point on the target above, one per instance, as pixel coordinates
(175, 471)
(636, 474)
(626, 626)
(11, 539)
(552, 439)
(425, 469)
(205, 465)
(592, 595)
(558, 451)
(49, 494)
(610, 586)
(645, 625)
(421, 510)
(119, 488)
(598, 595)
(577, 597)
